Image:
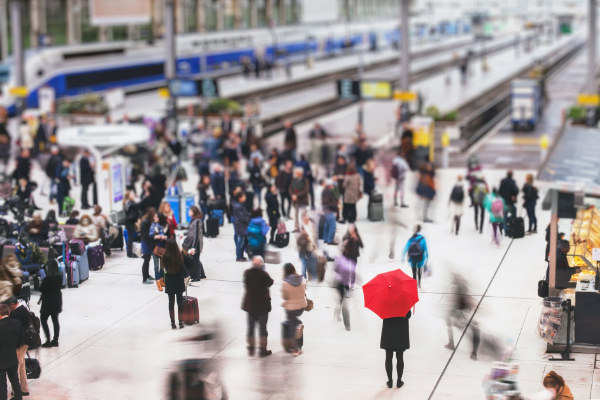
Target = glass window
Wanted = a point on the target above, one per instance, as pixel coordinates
(89, 33)
(211, 15)
(190, 15)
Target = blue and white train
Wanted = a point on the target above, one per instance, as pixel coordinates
(137, 66)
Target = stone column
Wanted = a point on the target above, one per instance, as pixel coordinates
(179, 16)
(104, 33)
(3, 29)
(34, 23)
(253, 13)
(73, 11)
(158, 12)
(269, 12)
(221, 14)
(281, 10)
(236, 11)
(201, 16)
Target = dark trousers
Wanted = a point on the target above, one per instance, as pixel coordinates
(349, 212)
(530, 207)
(146, 267)
(285, 196)
(479, 215)
(130, 235)
(416, 273)
(509, 210)
(46, 328)
(261, 321)
(84, 194)
(389, 356)
(456, 224)
(172, 297)
(13, 377)
(293, 322)
(60, 198)
(273, 231)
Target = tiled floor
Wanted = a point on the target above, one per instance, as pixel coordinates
(116, 341)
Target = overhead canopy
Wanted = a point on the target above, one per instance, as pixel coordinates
(102, 137)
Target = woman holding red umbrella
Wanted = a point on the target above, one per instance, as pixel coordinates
(395, 338)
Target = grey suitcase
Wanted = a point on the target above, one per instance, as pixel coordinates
(375, 212)
(84, 266)
(272, 257)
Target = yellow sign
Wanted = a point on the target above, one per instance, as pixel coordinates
(18, 91)
(164, 92)
(445, 139)
(376, 90)
(588, 99)
(544, 142)
(405, 96)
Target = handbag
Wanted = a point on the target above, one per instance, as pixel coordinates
(309, 305)
(159, 251)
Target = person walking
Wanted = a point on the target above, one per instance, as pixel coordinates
(459, 313)
(290, 141)
(148, 247)
(330, 208)
(51, 169)
(51, 299)
(395, 338)
(418, 255)
(299, 189)
(478, 194)
(131, 217)
(241, 219)
(272, 211)
(293, 292)
(283, 181)
(5, 145)
(307, 245)
(20, 313)
(256, 233)
(11, 338)
(509, 190)
(192, 245)
(457, 199)
(426, 187)
(352, 193)
(256, 179)
(87, 178)
(556, 385)
(172, 266)
(399, 169)
(159, 234)
(530, 196)
(64, 186)
(165, 209)
(257, 305)
(494, 204)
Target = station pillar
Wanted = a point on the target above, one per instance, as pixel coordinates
(201, 16)
(73, 11)
(170, 60)
(591, 72)
(16, 20)
(405, 55)
(3, 30)
(253, 13)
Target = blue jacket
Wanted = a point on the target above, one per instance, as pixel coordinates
(157, 229)
(423, 243)
(264, 228)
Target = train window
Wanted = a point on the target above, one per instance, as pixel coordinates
(115, 75)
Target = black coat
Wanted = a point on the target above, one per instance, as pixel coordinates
(257, 299)
(11, 337)
(217, 181)
(395, 334)
(86, 171)
(508, 190)
(272, 208)
(51, 295)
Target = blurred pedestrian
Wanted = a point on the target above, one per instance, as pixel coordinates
(426, 186)
(257, 305)
(41, 136)
(159, 233)
(398, 172)
(12, 334)
(192, 245)
(306, 242)
(369, 178)
(256, 179)
(26, 137)
(256, 233)
(352, 193)
(459, 314)
(494, 204)
(172, 265)
(418, 254)
(479, 192)
(308, 174)
(20, 312)
(51, 168)
(23, 166)
(5, 142)
(272, 211)
(509, 190)
(555, 383)
(87, 179)
(64, 184)
(132, 214)
(395, 338)
(299, 190)
(530, 196)
(241, 219)
(362, 154)
(167, 211)
(51, 298)
(290, 142)
(148, 247)
(352, 243)
(293, 292)
(457, 199)
(330, 207)
(345, 276)
(284, 180)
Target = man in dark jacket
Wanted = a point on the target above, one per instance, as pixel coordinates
(64, 186)
(509, 190)
(289, 142)
(86, 172)
(299, 189)
(362, 154)
(11, 338)
(284, 179)
(257, 303)
(23, 167)
(51, 168)
(217, 181)
(241, 218)
(330, 207)
(272, 211)
(20, 313)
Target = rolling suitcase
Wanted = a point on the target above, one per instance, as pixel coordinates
(515, 227)
(375, 212)
(118, 242)
(76, 247)
(212, 227)
(287, 341)
(84, 266)
(191, 315)
(95, 257)
(218, 215)
(72, 273)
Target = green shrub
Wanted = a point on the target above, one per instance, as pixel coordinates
(451, 116)
(87, 104)
(433, 112)
(219, 106)
(576, 113)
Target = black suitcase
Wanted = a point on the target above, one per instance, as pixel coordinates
(212, 227)
(118, 242)
(515, 227)
(376, 197)
(286, 341)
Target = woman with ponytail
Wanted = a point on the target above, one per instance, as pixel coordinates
(554, 383)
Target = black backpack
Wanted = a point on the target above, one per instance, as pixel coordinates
(32, 333)
(415, 250)
(458, 194)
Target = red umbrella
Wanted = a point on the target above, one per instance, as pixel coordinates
(391, 294)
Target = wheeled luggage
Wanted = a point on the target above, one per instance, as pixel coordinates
(191, 314)
(95, 257)
(72, 273)
(76, 247)
(282, 239)
(84, 267)
(375, 212)
(118, 242)
(212, 227)
(32, 368)
(218, 215)
(289, 341)
(515, 227)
